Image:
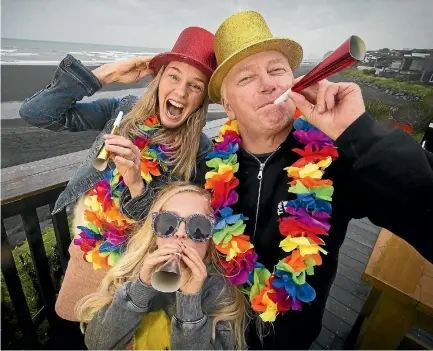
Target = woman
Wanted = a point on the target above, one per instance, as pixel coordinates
(206, 313)
(160, 141)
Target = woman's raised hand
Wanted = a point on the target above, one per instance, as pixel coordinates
(124, 71)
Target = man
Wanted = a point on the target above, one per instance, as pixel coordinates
(380, 174)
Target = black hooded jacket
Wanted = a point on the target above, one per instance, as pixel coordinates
(381, 174)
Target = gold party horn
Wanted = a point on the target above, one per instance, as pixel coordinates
(101, 161)
(167, 278)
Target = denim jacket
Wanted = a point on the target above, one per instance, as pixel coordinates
(57, 108)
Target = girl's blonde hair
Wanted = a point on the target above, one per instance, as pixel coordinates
(143, 242)
(183, 141)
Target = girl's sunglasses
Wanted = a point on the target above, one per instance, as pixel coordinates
(198, 227)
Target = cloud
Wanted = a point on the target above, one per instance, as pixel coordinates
(319, 25)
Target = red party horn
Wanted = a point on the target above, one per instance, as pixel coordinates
(350, 52)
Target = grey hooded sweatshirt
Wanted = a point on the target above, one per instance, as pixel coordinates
(113, 327)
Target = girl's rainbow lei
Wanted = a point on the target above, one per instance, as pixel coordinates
(104, 237)
(301, 221)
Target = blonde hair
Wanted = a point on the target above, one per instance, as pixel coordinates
(183, 141)
(143, 242)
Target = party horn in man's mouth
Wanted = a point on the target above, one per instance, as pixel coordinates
(101, 161)
(350, 52)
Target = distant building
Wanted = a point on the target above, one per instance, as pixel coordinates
(407, 64)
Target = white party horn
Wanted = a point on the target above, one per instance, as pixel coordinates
(101, 161)
(167, 278)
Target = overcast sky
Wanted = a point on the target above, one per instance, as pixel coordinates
(318, 25)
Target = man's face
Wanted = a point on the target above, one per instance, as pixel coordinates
(250, 88)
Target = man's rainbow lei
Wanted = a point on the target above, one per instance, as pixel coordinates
(301, 221)
(104, 238)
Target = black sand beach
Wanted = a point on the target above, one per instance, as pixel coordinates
(19, 82)
(22, 143)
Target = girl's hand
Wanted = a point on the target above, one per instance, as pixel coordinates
(192, 282)
(124, 71)
(127, 158)
(154, 259)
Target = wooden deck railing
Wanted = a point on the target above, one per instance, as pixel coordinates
(24, 188)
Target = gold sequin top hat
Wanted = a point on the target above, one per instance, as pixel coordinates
(242, 35)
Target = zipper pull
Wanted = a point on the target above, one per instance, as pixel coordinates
(260, 175)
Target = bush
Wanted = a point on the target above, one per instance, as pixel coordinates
(413, 88)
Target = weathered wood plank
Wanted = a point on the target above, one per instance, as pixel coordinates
(315, 346)
(359, 289)
(360, 239)
(25, 187)
(350, 243)
(325, 338)
(350, 262)
(370, 228)
(337, 325)
(23, 181)
(354, 254)
(351, 301)
(422, 336)
(338, 343)
(342, 311)
(348, 272)
(364, 233)
(42, 166)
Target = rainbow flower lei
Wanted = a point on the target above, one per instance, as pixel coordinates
(103, 239)
(302, 221)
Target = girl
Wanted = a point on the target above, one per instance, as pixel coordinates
(206, 313)
(160, 140)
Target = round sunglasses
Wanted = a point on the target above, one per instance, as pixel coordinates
(198, 227)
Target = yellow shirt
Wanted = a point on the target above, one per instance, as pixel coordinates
(153, 332)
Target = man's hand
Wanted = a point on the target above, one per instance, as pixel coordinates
(330, 107)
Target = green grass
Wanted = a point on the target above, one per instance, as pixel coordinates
(378, 109)
(414, 88)
(27, 274)
(422, 110)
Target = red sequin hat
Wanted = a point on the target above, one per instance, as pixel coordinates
(194, 47)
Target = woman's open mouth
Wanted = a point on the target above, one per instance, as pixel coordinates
(174, 109)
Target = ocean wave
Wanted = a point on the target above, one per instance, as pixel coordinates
(25, 54)
(8, 51)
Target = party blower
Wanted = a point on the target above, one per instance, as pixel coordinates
(167, 278)
(101, 161)
(350, 52)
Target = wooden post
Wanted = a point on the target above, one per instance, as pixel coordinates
(388, 324)
(29, 339)
(40, 260)
(63, 236)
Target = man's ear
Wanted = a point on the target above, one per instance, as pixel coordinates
(227, 107)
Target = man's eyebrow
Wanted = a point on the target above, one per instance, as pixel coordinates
(243, 69)
(270, 62)
(278, 60)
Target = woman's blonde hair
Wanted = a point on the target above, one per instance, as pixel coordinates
(183, 141)
(143, 242)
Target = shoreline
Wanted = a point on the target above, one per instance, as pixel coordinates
(22, 143)
(19, 82)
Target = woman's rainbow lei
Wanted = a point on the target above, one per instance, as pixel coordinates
(104, 238)
(302, 221)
